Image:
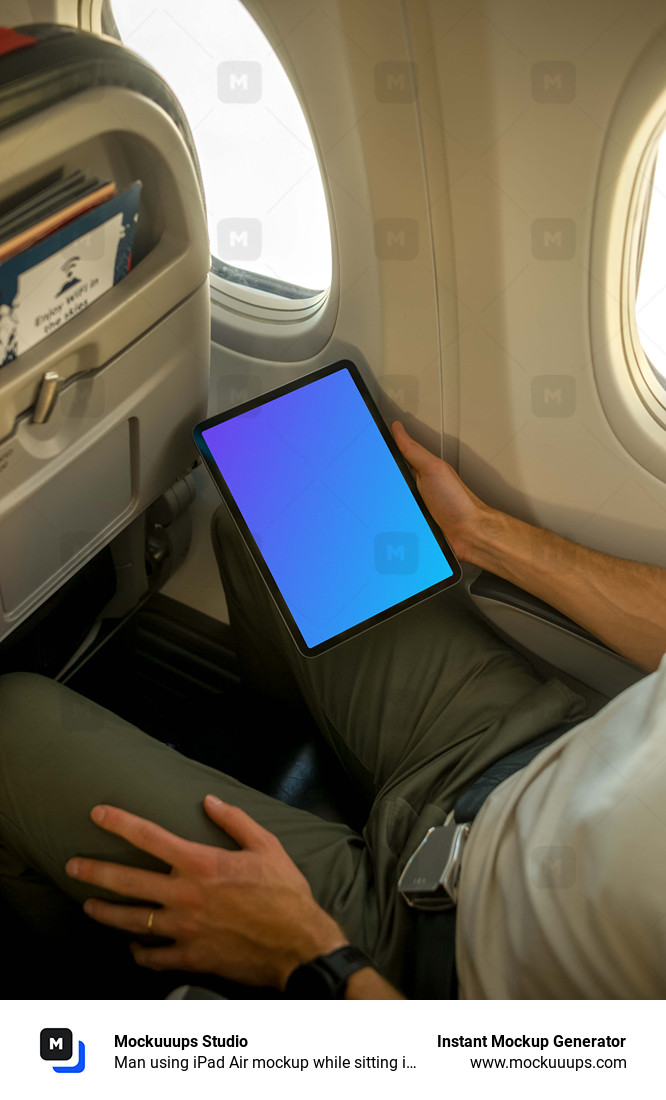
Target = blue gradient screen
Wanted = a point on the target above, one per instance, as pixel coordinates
(328, 507)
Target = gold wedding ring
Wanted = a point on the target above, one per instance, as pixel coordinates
(150, 919)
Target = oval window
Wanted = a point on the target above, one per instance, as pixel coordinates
(651, 293)
(267, 211)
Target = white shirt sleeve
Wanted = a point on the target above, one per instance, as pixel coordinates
(563, 883)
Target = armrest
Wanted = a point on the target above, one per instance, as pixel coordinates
(552, 636)
(489, 587)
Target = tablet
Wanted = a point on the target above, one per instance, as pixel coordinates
(327, 506)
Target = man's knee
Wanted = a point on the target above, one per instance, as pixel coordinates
(37, 713)
(24, 696)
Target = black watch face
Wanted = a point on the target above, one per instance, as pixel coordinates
(309, 982)
(326, 976)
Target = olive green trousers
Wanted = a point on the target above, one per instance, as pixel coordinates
(416, 708)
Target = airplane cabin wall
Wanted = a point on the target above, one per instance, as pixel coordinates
(524, 319)
(13, 13)
(468, 330)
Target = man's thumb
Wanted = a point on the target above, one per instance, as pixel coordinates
(416, 455)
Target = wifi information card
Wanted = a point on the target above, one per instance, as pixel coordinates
(42, 288)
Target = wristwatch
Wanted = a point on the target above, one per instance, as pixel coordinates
(326, 976)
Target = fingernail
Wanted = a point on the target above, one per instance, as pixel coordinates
(72, 867)
(98, 813)
(88, 906)
(214, 800)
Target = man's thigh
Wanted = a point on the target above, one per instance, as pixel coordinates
(60, 755)
(431, 695)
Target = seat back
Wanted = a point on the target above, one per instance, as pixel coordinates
(132, 368)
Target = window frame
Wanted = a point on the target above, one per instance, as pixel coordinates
(645, 373)
(630, 390)
(276, 320)
(271, 327)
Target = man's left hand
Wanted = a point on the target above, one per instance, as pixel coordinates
(246, 915)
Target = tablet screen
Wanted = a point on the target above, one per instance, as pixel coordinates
(340, 532)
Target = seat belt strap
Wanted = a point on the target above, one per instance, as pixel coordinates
(430, 961)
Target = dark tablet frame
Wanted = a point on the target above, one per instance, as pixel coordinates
(225, 493)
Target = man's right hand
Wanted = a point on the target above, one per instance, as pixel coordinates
(622, 603)
(453, 506)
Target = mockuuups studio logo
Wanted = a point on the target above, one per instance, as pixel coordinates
(553, 81)
(553, 395)
(239, 82)
(396, 552)
(236, 389)
(395, 82)
(396, 239)
(553, 239)
(553, 867)
(403, 389)
(239, 239)
(56, 1045)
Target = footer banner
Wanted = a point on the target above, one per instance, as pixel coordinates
(178, 1048)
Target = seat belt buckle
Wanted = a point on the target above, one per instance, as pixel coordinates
(432, 873)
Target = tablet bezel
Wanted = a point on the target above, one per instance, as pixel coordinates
(225, 493)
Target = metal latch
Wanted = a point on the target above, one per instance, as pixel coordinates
(46, 397)
(430, 878)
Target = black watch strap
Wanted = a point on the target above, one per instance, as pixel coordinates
(327, 975)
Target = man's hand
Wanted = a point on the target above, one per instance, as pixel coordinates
(622, 603)
(246, 915)
(453, 506)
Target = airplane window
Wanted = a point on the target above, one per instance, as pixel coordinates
(651, 297)
(267, 211)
